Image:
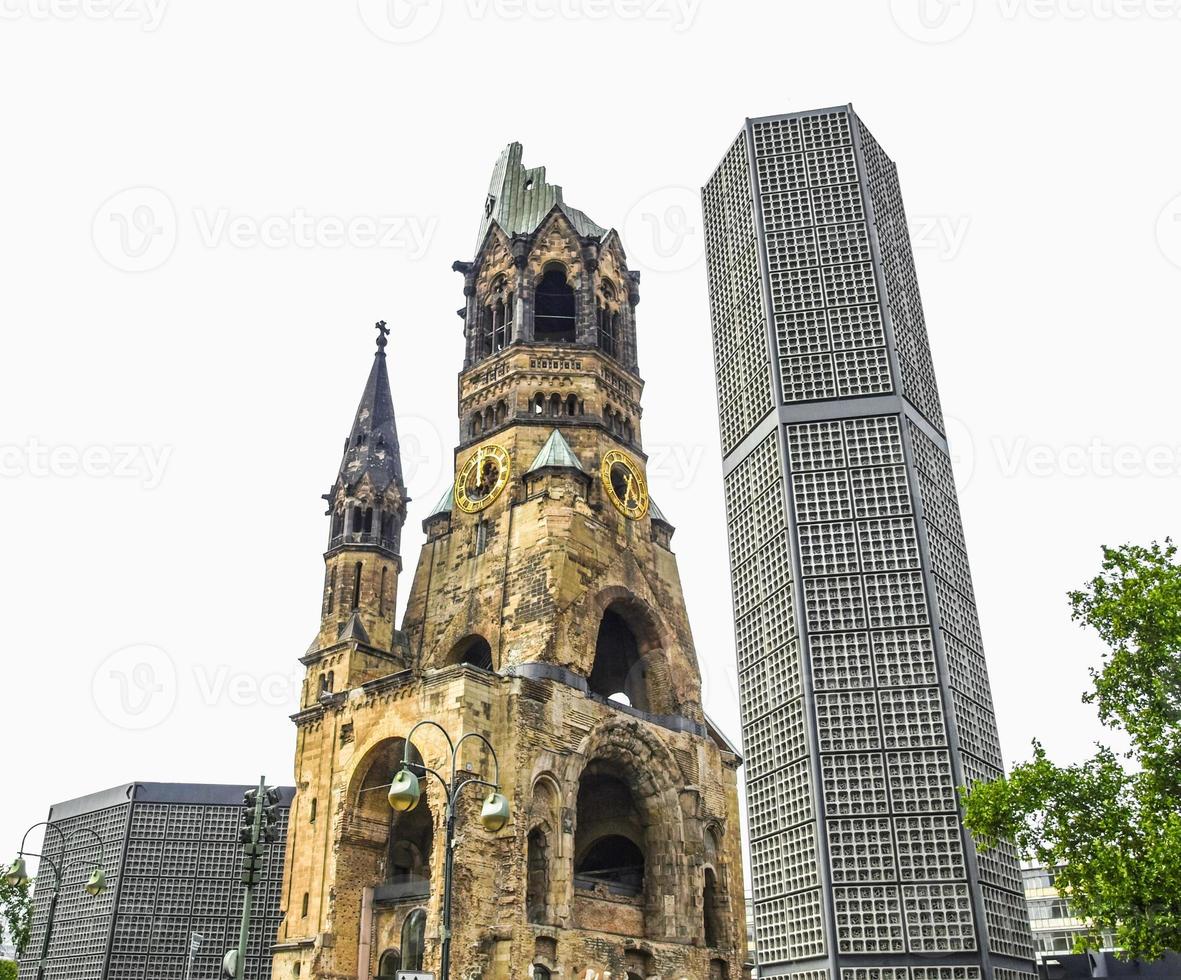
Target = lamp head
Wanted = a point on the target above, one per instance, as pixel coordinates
(495, 812)
(97, 883)
(404, 791)
(18, 874)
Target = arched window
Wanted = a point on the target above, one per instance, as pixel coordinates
(572, 405)
(555, 405)
(410, 842)
(357, 585)
(608, 849)
(541, 973)
(713, 922)
(539, 404)
(608, 321)
(474, 650)
(554, 317)
(413, 940)
(501, 411)
(331, 601)
(537, 871)
(619, 672)
(389, 965)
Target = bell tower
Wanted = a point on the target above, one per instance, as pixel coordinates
(545, 614)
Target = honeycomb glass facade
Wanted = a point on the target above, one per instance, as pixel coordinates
(864, 689)
(173, 863)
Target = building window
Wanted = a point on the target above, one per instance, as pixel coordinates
(619, 672)
(312, 812)
(481, 536)
(389, 965)
(541, 973)
(413, 940)
(537, 871)
(304, 906)
(555, 310)
(357, 585)
(381, 592)
(608, 847)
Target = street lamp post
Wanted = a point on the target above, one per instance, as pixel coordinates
(405, 793)
(18, 874)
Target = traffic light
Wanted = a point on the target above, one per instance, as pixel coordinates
(251, 865)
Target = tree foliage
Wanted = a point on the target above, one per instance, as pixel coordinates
(1113, 822)
(16, 914)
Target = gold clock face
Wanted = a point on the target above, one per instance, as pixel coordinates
(482, 479)
(624, 484)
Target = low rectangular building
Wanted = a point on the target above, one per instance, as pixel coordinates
(173, 864)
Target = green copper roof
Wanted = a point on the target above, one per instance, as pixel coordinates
(445, 504)
(655, 513)
(519, 199)
(556, 452)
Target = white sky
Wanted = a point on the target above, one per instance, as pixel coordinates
(1037, 150)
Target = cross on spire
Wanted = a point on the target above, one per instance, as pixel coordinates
(382, 332)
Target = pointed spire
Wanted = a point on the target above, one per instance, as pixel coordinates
(556, 453)
(372, 447)
(353, 629)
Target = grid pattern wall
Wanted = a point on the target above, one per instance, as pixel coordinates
(895, 848)
(81, 922)
(736, 299)
(824, 296)
(1008, 926)
(847, 554)
(178, 875)
(784, 848)
(896, 264)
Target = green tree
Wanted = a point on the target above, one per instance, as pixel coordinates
(16, 914)
(7, 970)
(1113, 822)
